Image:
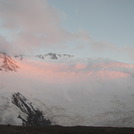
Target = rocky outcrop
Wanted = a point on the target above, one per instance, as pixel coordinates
(54, 56)
(34, 116)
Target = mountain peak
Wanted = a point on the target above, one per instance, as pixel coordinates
(7, 63)
(19, 56)
(54, 56)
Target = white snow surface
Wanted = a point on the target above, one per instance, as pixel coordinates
(71, 91)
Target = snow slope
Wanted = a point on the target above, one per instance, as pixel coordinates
(70, 90)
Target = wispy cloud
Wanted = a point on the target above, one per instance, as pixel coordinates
(129, 50)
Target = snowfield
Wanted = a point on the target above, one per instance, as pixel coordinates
(70, 91)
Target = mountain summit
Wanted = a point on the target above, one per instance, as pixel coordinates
(7, 63)
(54, 56)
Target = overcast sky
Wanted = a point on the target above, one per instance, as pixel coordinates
(84, 28)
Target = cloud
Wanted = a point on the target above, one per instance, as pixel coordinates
(103, 46)
(38, 23)
(34, 25)
(4, 45)
(129, 50)
(74, 72)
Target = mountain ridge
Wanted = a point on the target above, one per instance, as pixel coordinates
(35, 117)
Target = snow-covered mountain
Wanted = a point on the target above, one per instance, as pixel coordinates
(66, 90)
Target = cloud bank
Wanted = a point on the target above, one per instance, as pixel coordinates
(37, 24)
